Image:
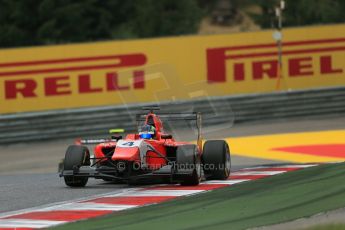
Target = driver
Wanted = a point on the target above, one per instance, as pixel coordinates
(147, 132)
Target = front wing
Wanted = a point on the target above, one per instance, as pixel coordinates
(168, 171)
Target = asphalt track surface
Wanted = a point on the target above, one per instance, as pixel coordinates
(28, 174)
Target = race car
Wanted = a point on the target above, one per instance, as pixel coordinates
(149, 154)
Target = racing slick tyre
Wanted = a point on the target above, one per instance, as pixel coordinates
(188, 161)
(216, 160)
(76, 156)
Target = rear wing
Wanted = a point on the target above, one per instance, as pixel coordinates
(172, 116)
(192, 116)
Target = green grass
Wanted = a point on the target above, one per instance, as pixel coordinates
(263, 202)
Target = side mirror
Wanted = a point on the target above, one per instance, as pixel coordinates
(166, 136)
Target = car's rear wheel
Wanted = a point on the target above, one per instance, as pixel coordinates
(75, 157)
(188, 162)
(216, 160)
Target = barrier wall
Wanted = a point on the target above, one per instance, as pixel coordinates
(218, 115)
(124, 72)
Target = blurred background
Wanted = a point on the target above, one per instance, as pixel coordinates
(46, 22)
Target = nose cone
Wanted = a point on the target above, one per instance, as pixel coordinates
(126, 154)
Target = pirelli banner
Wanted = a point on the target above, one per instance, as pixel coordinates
(179, 68)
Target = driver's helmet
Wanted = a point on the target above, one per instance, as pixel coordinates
(147, 132)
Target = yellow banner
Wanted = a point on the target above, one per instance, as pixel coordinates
(179, 68)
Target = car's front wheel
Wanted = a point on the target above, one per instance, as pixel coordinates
(76, 156)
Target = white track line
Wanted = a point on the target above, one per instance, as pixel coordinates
(89, 206)
(281, 166)
(25, 223)
(256, 173)
(121, 192)
(163, 192)
(227, 182)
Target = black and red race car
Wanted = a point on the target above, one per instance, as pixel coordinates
(151, 154)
